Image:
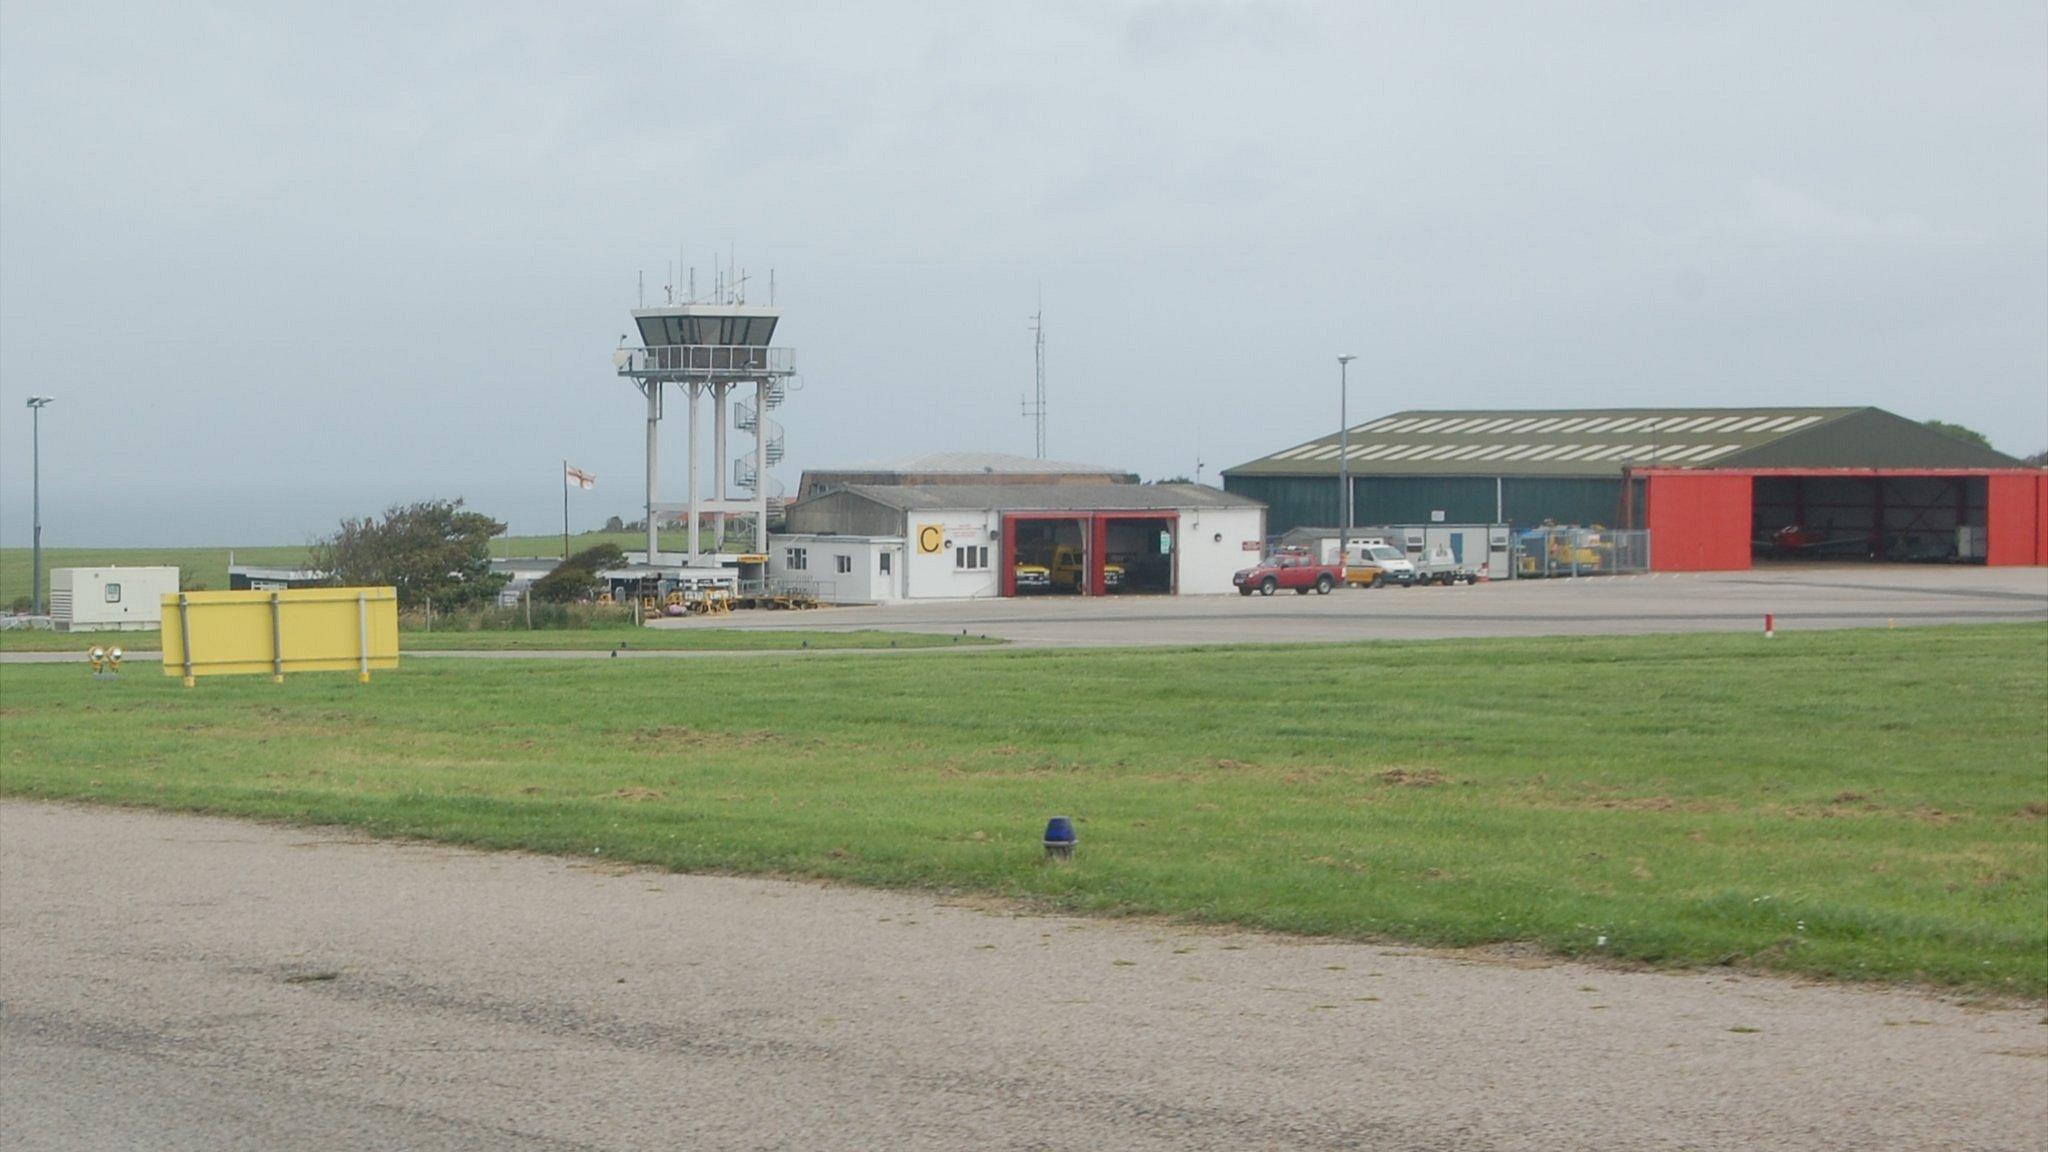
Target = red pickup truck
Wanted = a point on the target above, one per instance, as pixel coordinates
(1296, 570)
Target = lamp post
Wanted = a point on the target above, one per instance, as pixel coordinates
(36, 405)
(1344, 441)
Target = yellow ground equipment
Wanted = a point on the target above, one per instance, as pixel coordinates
(290, 630)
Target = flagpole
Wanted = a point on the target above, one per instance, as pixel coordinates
(565, 509)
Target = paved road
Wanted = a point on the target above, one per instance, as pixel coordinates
(1802, 596)
(177, 983)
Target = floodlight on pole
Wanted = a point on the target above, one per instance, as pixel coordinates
(1344, 440)
(36, 404)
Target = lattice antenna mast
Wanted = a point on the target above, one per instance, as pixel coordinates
(1034, 408)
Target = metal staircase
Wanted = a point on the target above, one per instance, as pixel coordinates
(746, 468)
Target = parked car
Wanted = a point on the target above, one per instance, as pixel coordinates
(1377, 565)
(1032, 577)
(1289, 569)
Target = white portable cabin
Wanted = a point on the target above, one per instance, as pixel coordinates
(93, 599)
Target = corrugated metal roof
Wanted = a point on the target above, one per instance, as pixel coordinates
(971, 463)
(1048, 497)
(1553, 442)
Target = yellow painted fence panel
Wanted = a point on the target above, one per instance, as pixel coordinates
(274, 633)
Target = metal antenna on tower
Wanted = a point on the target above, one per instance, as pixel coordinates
(1035, 407)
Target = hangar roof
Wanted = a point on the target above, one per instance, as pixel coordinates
(1603, 441)
(1046, 497)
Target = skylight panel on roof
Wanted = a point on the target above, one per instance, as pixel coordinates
(1519, 426)
(1463, 426)
(1689, 424)
(1379, 425)
(1493, 450)
(1626, 451)
(1745, 424)
(1553, 450)
(1638, 425)
(1299, 450)
(1720, 425)
(1687, 453)
(1434, 451)
(1490, 425)
(1586, 453)
(1546, 425)
(1573, 425)
(1774, 424)
(1432, 425)
(1711, 453)
(1404, 451)
(1377, 451)
(1605, 425)
(1521, 450)
(1802, 422)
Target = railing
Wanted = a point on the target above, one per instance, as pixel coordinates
(742, 361)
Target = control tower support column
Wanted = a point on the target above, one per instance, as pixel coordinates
(653, 390)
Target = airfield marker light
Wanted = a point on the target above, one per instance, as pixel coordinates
(98, 657)
(1060, 838)
(113, 659)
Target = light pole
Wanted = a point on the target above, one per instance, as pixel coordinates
(1344, 441)
(36, 405)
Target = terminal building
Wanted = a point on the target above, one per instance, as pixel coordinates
(1717, 488)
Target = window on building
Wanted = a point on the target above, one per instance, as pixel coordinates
(795, 560)
(971, 557)
(885, 563)
(845, 564)
(113, 593)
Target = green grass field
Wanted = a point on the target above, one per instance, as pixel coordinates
(210, 565)
(1861, 805)
(707, 639)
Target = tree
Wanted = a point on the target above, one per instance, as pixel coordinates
(1171, 480)
(614, 524)
(576, 578)
(1960, 432)
(2037, 460)
(433, 550)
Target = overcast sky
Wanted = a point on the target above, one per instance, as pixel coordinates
(280, 265)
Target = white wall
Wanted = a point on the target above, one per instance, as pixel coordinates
(1206, 562)
(865, 584)
(937, 575)
(85, 589)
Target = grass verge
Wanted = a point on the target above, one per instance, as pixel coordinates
(1863, 805)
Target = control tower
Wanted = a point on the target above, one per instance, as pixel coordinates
(714, 348)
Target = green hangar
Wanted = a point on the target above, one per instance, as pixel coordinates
(1716, 486)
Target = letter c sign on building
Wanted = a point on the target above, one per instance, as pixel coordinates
(930, 538)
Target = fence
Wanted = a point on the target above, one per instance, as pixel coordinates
(1544, 552)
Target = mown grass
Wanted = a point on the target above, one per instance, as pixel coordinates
(1864, 805)
(209, 566)
(706, 639)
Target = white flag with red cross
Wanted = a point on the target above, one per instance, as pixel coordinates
(578, 477)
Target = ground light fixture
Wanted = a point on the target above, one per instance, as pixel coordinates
(1060, 838)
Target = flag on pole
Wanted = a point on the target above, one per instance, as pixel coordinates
(579, 477)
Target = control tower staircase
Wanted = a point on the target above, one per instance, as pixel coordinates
(746, 470)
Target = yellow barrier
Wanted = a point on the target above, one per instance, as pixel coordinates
(294, 630)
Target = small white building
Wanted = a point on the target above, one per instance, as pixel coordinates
(874, 543)
(125, 599)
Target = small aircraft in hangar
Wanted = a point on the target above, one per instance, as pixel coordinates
(1799, 540)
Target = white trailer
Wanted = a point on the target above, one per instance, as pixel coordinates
(119, 599)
